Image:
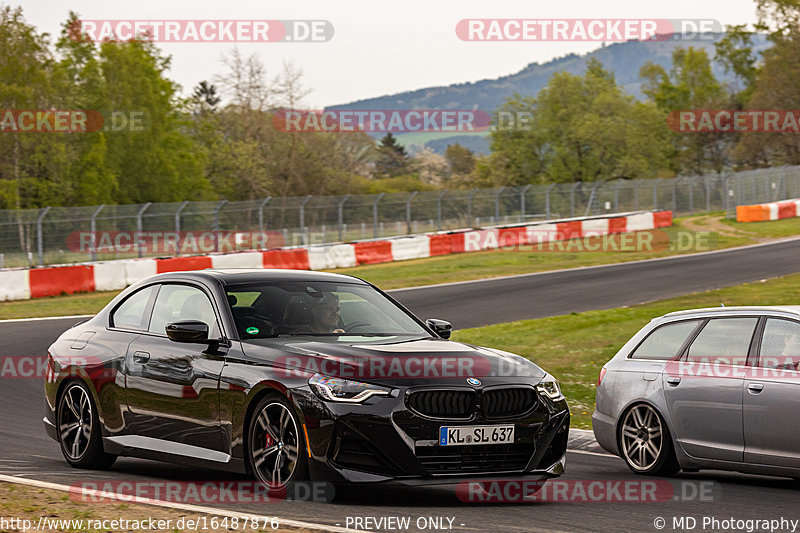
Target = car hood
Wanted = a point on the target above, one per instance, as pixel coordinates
(401, 362)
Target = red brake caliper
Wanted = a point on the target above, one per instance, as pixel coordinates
(270, 441)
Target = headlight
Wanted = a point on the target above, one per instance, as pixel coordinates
(345, 390)
(549, 387)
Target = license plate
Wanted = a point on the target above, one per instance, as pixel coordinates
(461, 435)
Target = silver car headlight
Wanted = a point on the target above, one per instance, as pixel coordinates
(550, 388)
(345, 390)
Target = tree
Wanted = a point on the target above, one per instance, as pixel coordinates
(460, 159)
(204, 97)
(690, 84)
(578, 128)
(392, 157)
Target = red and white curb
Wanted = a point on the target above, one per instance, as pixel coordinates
(23, 284)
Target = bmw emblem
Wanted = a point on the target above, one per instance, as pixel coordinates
(475, 382)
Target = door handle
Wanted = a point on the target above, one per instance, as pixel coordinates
(141, 357)
(673, 380)
(755, 388)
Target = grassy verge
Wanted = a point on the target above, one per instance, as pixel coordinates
(22, 502)
(720, 234)
(574, 347)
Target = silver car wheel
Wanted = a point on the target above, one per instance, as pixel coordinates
(642, 437)
(75, 422)
(276, 445)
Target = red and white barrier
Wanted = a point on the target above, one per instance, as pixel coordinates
(768, 211)
(115, 275)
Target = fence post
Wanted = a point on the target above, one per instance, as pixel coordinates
(655, 193)
(439, 210)
(261, 207)
(375, 233)
(635, 195)
(215, 227)
(303, 214)
(497, 204)
(708, 194)
(547, 199)
(522, 194)
(39, 238)
(691, 195)
(408, 210)
(341, 217)
(572, 198)
(472, 193)
(140, 226)
(178, 216)
(94, 231)
(591, 199)
(616, 196)
(675, 195)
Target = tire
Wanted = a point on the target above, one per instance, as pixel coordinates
(645, 442)
(78, 427)
(277, 456)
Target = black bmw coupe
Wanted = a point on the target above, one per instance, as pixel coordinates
(295, 375)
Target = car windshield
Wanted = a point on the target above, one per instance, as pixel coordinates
(329, 310)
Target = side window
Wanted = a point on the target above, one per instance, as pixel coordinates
(780, 346)
(723, 341)
(182, 302)
(665, 341)
(130, 314)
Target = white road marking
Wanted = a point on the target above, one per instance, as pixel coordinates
(169, 505)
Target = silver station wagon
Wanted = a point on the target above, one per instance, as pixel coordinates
(706, 389)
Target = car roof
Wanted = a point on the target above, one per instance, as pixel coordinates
(755, 309)
(229, 276)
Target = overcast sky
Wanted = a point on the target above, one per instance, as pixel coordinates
(379, 47)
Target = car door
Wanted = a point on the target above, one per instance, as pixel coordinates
(171, 387)
(703, 390)
(772, 397)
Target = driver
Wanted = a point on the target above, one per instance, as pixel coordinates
(325, 315)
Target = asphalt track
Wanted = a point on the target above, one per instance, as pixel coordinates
(26, 451)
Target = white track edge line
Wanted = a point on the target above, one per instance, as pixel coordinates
(590, 267)
(169, 505)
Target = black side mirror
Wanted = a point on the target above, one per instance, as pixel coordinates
(440, 327)
(188, 331)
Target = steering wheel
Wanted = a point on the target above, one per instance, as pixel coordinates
(352, 325)
(254, 317)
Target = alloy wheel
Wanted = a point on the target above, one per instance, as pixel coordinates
(75, 422)
(642, 437)
(275, 445)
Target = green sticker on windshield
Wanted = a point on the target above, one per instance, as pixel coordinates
(252, 331)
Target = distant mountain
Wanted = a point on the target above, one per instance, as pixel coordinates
(624, 59)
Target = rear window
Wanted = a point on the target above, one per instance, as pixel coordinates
(665, 341)
(724, 341)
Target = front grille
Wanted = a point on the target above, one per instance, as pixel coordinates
(502, 403)
(443, 403)
(480, 458)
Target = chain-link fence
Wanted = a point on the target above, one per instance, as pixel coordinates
(76, 234)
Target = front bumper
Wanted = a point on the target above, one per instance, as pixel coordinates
(385, 442)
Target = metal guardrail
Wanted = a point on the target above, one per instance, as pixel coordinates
(44, 236)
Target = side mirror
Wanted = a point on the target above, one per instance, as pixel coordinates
(440, 327)
(188, 331)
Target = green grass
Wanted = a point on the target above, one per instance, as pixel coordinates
(574, 347)
(467, 266)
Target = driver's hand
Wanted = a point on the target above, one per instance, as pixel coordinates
(338, 330)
